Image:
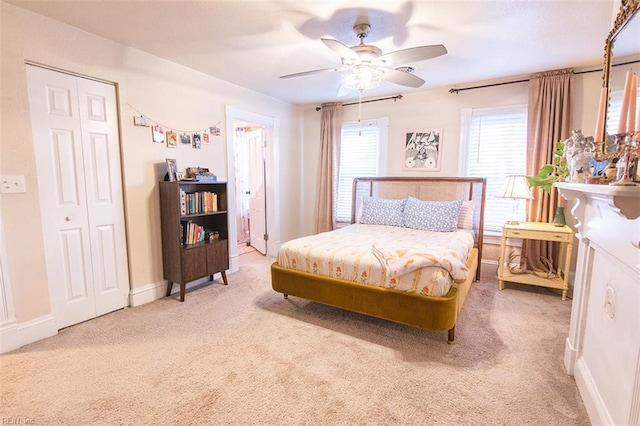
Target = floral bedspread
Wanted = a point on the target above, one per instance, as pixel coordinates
(347, 253)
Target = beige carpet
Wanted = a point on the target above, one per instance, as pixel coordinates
(241, 354)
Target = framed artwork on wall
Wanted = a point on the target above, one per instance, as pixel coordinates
(423, 150)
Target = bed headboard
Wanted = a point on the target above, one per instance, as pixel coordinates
(426, 189)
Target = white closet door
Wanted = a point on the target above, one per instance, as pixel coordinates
(75, 136)
(103, 183)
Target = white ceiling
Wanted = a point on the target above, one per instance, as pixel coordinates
(251, 42)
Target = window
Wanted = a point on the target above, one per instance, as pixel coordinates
(494, 145)
(360, 155)
(613, 112)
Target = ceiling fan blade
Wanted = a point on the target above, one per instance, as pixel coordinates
(341, 49)
(343, 91)
(413, 54)
(401, 77)
(300, 74)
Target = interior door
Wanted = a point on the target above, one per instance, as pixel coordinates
(103, 188)
(75, 136)
(257, 207)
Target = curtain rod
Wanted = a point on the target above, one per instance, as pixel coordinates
(452, 90)
(395, 98)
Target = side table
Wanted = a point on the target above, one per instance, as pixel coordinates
(538, 231)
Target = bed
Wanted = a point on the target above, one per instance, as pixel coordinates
(363, 266)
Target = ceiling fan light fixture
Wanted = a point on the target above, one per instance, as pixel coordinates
(362, 77)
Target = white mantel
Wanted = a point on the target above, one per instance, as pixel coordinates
(603, 347)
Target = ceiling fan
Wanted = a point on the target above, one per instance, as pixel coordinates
(364, 65)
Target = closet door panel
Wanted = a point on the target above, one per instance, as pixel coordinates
(57, 139)
(97, 103)
(76, 144)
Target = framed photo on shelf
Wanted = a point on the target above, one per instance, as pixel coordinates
(172, 169)
(423, 150)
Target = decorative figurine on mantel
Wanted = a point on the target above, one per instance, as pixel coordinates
(579, 151)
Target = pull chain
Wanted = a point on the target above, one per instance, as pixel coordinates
(359, 112)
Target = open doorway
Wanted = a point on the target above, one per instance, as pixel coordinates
(251, 210)
(252, 144)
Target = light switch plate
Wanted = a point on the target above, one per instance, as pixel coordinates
(12, 184)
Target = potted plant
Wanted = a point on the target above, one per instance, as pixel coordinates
(557, 171)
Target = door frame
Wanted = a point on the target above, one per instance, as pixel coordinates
(272, 189)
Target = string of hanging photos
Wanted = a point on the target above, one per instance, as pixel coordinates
(161, 133)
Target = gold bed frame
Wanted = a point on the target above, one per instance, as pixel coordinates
(427, 312)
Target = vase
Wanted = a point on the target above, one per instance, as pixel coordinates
(558, 218)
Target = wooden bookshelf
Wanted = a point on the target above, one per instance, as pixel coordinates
(194, 224)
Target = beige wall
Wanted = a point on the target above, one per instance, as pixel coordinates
(168, 93)
(441, 109)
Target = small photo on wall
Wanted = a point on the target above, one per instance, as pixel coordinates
(172, 139)
(423, 150)
(185, 139)
(197, 140)
(205, 138)
(158, 134)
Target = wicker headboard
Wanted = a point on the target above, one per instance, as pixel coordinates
(426, 189)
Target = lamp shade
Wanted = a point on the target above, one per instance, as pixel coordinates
(515, 186)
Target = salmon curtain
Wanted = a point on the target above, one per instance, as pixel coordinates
(330, 131)
(550, 112)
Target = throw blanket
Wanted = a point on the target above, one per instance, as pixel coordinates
(397, 261)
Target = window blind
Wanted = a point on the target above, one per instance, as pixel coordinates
(359, 156)
(494, 146)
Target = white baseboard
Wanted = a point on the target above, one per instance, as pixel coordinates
(147, 293)
(154, 291)
(234, 264)
(593, 403)
(9, 339)
(570, 355)
(14, 335)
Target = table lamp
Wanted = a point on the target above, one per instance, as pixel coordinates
(515, 187)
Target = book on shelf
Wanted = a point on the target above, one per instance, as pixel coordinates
(199, 202)
(192, 233)
(183, 201)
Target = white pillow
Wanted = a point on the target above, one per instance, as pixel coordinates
(382, 211)
(465, 217)
(440, 216)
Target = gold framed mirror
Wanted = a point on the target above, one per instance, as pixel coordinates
(622, 51)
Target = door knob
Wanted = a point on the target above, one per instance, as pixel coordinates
(68, 218)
